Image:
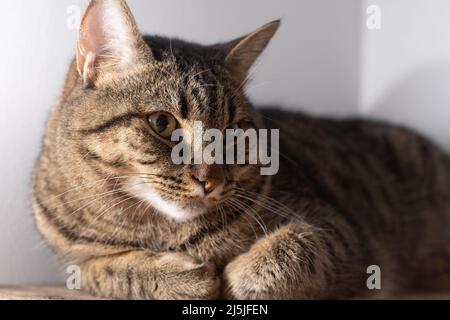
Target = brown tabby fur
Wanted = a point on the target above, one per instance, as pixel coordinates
(349, 194)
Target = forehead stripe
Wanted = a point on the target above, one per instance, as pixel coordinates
(184, 106)
(116, 121)
(231, 111)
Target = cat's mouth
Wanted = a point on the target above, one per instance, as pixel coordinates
(182, 210)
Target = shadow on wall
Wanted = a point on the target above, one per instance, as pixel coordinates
(314, 62)
(422, 101)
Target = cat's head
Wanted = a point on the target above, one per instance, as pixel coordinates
(134, 91)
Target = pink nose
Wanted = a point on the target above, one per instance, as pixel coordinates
(209, 176)
(209, 185)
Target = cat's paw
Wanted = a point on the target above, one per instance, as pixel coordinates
(251, 277)
(182, 277)
(272, 269)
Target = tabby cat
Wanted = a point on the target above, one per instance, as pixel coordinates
(108, 198)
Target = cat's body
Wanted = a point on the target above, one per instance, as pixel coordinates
(349, 194)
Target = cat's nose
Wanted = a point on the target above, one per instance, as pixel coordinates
(209, 185)
(210, 177)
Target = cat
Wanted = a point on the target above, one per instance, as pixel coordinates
(106, 196)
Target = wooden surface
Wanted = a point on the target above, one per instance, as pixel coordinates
(42, 293)
(61, 293)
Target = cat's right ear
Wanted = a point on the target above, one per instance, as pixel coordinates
(108, 41)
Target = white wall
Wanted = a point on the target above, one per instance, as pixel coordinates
(323, 61)
(405, 70)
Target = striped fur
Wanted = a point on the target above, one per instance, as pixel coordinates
(349, 193)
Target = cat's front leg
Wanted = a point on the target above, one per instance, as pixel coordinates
(297, 261)
(147, 275)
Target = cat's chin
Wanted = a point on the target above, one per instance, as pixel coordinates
(179, 212)
(187, 214)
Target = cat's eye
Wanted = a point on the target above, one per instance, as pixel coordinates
(163, 123)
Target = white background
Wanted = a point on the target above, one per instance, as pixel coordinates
(324, 61)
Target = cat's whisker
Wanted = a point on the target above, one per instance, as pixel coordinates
(270, 204)
(87, 185)
(127, 196)
(254, 214)
(106, 193)
(218, 209)
(92, 184)
(270, 208)
(271, 200)
(107, 210)
(115, 190)
(265, 203)
(248, 210)
(139, 206)
(133, 205)
(235, 206)
(225, 221)
(99, 198)
(124, 221)
(237, 240)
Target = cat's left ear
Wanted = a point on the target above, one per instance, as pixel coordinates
(241, 54)
(109, 40)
